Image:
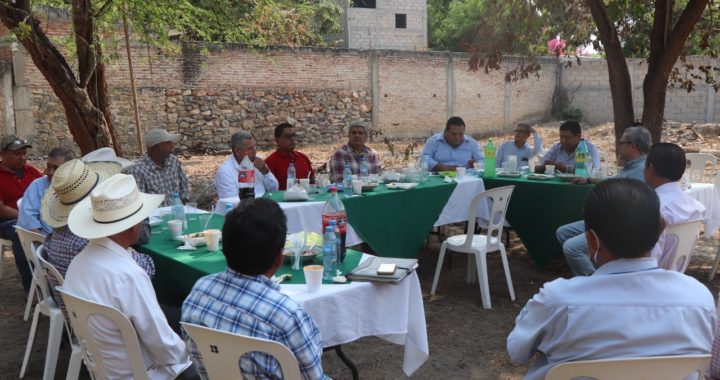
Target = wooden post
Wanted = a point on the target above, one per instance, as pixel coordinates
(141, 146)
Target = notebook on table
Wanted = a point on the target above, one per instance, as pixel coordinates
(368, 270)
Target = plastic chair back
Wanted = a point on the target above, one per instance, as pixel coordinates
(80, 310)
(658, 367)
(499, 198)
(683, 236)
(222, 350)
(29, 241)
(55, 279)
(698, 164)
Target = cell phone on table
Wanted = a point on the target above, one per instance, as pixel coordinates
(387, 268)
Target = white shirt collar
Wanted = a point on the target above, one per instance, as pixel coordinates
(627, 265)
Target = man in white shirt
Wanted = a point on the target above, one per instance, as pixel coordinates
(664, 167)
(629, 307)
(226, 178)
(519, 146)
(106, 273)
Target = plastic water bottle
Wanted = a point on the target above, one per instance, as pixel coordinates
(291, 174)
(490, 151)
(424, 169)
(336, 230)
(178, 209)
(347, 179)
(334, 210)
(581, 159)
(364, 168)
(329, 254)
(246, 179)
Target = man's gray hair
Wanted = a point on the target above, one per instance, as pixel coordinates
(65, 153)
(239, 137)
(360, 124)
(640, 136)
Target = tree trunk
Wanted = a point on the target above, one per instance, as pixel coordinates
(620, 84)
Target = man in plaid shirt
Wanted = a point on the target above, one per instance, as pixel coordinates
(159, 171)
(353, 152)
(244, 300)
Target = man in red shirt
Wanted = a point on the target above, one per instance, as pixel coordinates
(285, 154)
(15, 176)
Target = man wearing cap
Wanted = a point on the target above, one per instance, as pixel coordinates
(159, 171)
(29, 216)
(15, 177)
(72, 182)
(226, 179)
(353, 152)
(110, 218)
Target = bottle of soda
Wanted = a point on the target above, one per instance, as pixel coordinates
(347, 179)
(581, 159)
(329, 254)
(246, 179)
(334, 209)
(490, 151)
(291, 174)
(178, 209)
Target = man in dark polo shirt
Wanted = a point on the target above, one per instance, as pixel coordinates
(285, 154)
(15, 176)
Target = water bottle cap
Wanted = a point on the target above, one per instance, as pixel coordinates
(333, 221)
(328, 229)
(228, 205)
(333, 189)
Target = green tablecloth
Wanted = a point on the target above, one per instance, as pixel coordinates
(177, 271)
(538, 208)
(394, 223)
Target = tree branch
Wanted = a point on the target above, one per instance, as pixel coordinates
(677, 37)
(104, 8)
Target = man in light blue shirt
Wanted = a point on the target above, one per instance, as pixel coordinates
(633, 148)
(29, 212)
(452, 148)
(519, 146)
(562, 154)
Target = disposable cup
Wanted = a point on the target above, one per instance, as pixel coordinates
(357, 185)
(479, 166)
(305, 183)
(460, 172)
(550, 169)
(175, 227)
(313, 277)
(212, 239)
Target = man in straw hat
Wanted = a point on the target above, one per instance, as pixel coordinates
(107, 154)
(105, 272)
(73, 182)
(15, 177)
(159, 171)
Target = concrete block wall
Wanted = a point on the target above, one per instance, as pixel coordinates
(375, 28)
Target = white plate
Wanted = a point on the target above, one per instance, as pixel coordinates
(401, 185)
(541, 177)
(508, 174)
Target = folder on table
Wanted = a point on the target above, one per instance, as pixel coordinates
(367, 270)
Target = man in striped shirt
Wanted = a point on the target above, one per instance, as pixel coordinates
(519, 146)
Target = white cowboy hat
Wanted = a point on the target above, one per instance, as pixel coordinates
(72, 181)
(114, 206)
(106, 154)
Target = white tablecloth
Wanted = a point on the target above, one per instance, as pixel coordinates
(708, 195)
(456, 208)
(345, 313)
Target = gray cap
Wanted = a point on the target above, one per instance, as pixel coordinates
(13, 142)
(158, 135)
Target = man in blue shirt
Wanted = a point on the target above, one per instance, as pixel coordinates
(452, 148)
(562, 154)
(519, 146)
(244, 300)
(29, 216)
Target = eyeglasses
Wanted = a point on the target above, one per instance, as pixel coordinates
(16, 142)
(624, 142)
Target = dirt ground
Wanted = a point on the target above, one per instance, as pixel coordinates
(465, 340)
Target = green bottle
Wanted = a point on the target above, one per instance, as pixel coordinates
(490, 151)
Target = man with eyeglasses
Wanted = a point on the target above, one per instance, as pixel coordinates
(242, 143)
(562, 154)
(519, 146)
(285, 154)
(15, 177)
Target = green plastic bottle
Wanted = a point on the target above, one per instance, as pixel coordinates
(490, 151)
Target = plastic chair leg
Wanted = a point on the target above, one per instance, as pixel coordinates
(31, 297)
(482, 273)
(73, 372)
(57, 326)
(715, 264)
(31, 340)
(471, 270)
(503, 256)
(441, 257)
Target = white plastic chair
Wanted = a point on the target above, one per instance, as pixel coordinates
(80, 310)
(56, 279)
(698, 164)
(683, 236)
(47, 306)
(27, 239)
(6, 244)
(658, 367)
(479, 245)
(220, 352)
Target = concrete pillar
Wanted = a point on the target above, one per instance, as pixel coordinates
(374, 62)
(450, 75)
(9, 106)
(21, 95)
(710, 104)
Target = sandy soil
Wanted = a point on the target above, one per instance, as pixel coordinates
(466, 341)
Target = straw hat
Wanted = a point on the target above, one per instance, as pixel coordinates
(107, 154)
(115, 205)
(72, 181)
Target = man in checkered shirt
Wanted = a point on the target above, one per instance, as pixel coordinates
(244, 300)
(159, 171)
(353, 152)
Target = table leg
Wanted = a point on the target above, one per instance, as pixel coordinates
(345, 359)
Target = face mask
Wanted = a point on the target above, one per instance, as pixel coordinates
(594, 256)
